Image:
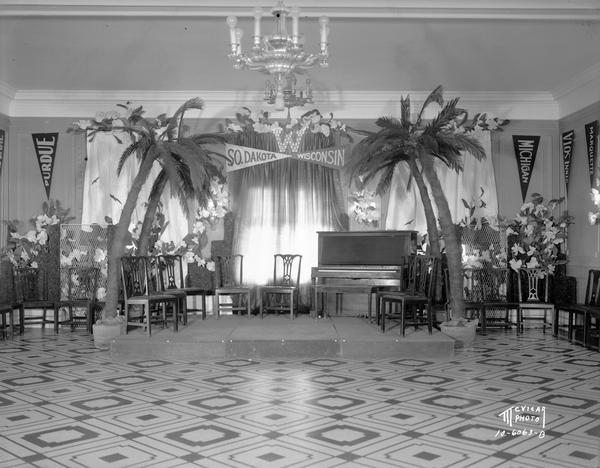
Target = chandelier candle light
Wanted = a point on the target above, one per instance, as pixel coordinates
(280, 55)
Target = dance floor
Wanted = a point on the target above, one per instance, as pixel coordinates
(65, 403)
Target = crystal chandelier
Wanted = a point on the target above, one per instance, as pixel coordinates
(280, 54)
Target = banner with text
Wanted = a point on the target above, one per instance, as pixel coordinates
(591, 143)
(2, 142)
(568, 139)
(240, 157)
(45, 149)
(525, 150)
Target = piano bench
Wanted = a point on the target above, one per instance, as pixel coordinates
(339, 290)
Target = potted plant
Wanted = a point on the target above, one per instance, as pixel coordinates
(187, 165)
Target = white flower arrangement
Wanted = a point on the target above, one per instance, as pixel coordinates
(261, 123)
(190, 248)
(28, 246)
(537, 235)
(364, 209)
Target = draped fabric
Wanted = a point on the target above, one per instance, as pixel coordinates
(104, 193)
(280, 206)
(405, 210)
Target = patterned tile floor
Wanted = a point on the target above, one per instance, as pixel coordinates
(529, 401)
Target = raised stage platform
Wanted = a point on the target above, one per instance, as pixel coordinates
(276, 337)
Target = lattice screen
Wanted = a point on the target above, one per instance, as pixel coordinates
(83, 245)
(488, 244)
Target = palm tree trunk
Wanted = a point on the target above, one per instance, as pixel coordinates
(432, 230)
(453, 250)
(117, 244)
(153, 202)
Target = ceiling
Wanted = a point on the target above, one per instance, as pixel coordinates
(531, 58)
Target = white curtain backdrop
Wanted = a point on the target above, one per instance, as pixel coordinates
(405, 210)
(101, 181)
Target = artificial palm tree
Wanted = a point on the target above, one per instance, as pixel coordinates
(188, 164)
(153, 140)
(382, 151)
(445, 138)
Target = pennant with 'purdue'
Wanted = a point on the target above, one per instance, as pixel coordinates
(525, 150)
(568, 139)
(591, 143)
(45, 150)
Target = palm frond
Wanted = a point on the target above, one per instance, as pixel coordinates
(132, 148)
(388, 122)
(405, 112)
(177, 118)
(448, 113)
(385, 181)
(437, 96)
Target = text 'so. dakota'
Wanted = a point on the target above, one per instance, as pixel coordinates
(240, 157)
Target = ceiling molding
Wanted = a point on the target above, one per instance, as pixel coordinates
(222, 104)
(587, 10)
(579, 91)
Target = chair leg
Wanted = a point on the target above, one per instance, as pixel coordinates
(21, 320)
(483, 316)
(291, 306)
(71, 321)
(260, 303)
(88, 318)
(403, 318)
(203, 306)
(56, 310)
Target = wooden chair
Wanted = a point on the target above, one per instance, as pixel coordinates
(81, 293)
(580, 315)
(229, 279)
(282, 294)
(172, 279)
(403, 279)
(7, 312)
(31, 292)
(139, 291)
(407, 284)
(413, 307)
(487, 292)
(533, 285)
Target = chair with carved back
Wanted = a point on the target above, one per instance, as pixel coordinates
(229, 273)
(82, 288)
(533, 286)
(486, 297)
(282, 294)
(31, 293)
(172, 279)
(139, 291)
(159, 281)
(579, 316)
(413, 307)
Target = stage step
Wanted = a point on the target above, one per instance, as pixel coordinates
(278, 337)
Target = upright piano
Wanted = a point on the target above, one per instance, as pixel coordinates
(356, 261)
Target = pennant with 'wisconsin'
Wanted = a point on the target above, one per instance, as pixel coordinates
(240, 157)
